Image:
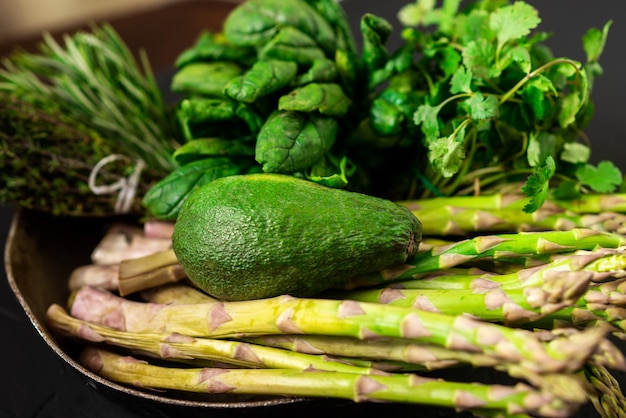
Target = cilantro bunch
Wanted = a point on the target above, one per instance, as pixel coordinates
(497, 107)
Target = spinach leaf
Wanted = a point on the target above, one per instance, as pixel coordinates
(263, 78)
(208, 115)
(326, 98)
(256, 22)
(206, 78)
(321, 70)
(290, 142)
(290, 44)
(213, 147)
(165, 199)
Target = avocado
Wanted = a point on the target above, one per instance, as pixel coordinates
(255, 236)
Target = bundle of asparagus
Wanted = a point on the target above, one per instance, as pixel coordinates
(538, 307)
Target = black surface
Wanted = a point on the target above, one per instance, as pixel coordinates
(35, 383)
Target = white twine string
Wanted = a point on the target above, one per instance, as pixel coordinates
(126, 186)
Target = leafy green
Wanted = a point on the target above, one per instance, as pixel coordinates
(293, 141)
(327, 98)
(537, 185)
(513, 21)
(447, 153)
(471, 99)
(165, 199)
(604, 178)
(594, 42)
(461, 81)
(263, 78)
(481, 107)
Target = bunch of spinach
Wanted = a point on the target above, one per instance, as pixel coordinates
(472, 99)
(272, 92)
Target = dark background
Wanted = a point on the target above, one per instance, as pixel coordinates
(33, 380)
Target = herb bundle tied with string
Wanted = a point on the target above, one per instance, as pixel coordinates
(83, 126)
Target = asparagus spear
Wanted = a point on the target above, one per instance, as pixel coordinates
(177, 346)
(462, 221)
(125, 241)
(98, 275)
(281, 315)
(608, 398)
(588, 203)
(499, 246)
(411, 388)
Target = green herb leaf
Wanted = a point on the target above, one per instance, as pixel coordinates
(461, 81)
(594, 42)
(575, 153)
(254, 24)
(474, 25)
(603, 179)
(537, 94)
(513, 21)
(446, 154)
(414, 14)
(482, 107)
(570, 105)
(537, 185)
(210, 47)
(450, 60)
(521, 56)
(540, 146)
(479, 57)
(426, 117)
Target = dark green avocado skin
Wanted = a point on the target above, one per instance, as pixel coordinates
(262, 235)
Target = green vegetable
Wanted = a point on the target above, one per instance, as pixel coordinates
(293, 141)
(292, 236)
(168, 196)
(168, 347)
(521, 246)
(68, 106)
(476, 103)
(343, 318)
(480, 398)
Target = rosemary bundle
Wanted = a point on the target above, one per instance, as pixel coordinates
(84, 129)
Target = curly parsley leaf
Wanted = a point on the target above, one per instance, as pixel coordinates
(537, 185)
(604, 178)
